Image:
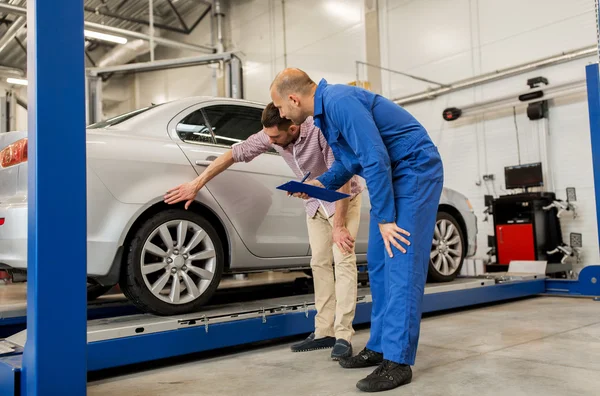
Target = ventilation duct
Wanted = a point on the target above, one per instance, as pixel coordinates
(124, 53)
(121, 54)
(11, 72)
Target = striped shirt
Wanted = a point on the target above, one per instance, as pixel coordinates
(309, 153)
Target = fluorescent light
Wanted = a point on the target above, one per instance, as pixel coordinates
(105, 37)
(17, 81)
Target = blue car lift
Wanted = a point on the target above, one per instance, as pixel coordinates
(13, 318)
(51, 358)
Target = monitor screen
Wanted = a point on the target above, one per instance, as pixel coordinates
(523, 176)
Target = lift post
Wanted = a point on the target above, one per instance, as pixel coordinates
(593, 92)
(54, 357)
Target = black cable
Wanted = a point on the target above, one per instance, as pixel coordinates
(517, 131)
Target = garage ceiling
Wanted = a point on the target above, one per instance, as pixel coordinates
(180, 16)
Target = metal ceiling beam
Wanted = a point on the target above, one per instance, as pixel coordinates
(158, 40)
(162, 64)
(116, 15)
(21, 45)
(201, 18)
(121, 4)
(122, 32)
(88, 56)
(178, 15)
(12, 9)
(12, 31)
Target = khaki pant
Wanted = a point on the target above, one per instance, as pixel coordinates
(335, 295)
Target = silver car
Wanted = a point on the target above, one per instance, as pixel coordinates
(168, 260)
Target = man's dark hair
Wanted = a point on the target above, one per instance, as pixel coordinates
(271, 118)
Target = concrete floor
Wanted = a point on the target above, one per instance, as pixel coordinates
(542, 346)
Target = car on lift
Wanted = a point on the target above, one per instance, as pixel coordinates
(168, 260)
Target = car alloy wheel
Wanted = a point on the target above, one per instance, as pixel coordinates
(173, 264)
(178, 261)
(447, 248)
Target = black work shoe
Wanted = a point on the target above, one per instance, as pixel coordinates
(365, 358)
(310, 344)
(388, 375)
(341, 349)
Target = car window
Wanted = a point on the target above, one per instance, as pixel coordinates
(194, 129)
(233, 123)
(120, 118)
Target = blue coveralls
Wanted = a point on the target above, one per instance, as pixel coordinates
(375, 138)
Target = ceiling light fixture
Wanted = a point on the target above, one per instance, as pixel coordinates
(16, 81)
(105, 37)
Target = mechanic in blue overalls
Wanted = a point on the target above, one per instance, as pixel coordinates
(375, 138)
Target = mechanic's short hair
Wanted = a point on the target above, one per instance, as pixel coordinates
(271, 118)
(292, 81)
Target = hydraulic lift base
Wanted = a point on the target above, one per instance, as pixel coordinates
(141, 338)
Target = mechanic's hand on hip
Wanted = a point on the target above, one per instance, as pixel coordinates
(184, 192)
(343, 239)
(390, 232)
(314, 182)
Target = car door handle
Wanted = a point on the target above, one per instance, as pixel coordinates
(207, 161)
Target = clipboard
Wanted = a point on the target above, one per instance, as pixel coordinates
(313, 191)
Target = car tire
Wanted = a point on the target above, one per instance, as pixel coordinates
(448, 250)
(149, 248)
(95, 291)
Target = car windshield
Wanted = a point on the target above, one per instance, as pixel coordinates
(120, 118)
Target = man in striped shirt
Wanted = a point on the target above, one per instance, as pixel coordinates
(332, 227)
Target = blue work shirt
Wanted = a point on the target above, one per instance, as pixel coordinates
(368, 135)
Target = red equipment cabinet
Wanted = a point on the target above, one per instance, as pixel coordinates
(515, 242)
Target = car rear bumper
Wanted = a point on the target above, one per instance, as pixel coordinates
(13, 233)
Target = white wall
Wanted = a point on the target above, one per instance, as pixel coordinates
(324, 38)
(449, 40)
